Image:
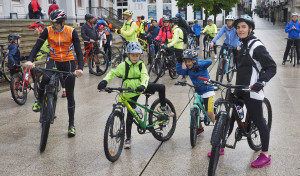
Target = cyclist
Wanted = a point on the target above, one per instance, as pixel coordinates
(138, 80)
(141, 28)
(254, 67)
(165, 32)
(211, 30)
(139, 19)
(197, 30)
(129, 29)
(152, 33)
(195, 68)
(231, 40)
(62, 58)
(293, 28)
(182, 23)
(108, 36)
(191, 31)
(89, 34)
(101, 31)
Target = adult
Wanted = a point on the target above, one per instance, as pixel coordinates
(182, 23)
(52, 7)
(62, 58)
(161, 24)
(165, 32)
(36, 9)
(211, 30)
(139, 20)
(293, 28)
(129, 28)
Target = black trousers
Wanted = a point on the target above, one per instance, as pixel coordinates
(288, 47)
(205, 38)
(234, 51)
(198, 40)
(107, 47)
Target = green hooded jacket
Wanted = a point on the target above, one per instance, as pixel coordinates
(177, 40)
(129, 30)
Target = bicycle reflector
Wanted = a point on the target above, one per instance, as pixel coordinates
(203, 79)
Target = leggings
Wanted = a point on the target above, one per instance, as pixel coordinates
(150, 89)
(205, 38)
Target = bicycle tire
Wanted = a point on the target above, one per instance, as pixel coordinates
(117, 60)
(6, 72)
(46, 112)
(115, 52)
(205, 53)
(220, 71)
(154, 71)
(157, 133)
(231, 69)
(217, 141)
(37, 84)
(103, 63)
(16, 85)
(194, 127)
(209, 48)
(120, 135)
(252, 145)
(294, 56)
(172, 70)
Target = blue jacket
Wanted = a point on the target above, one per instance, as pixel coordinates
(14, 57)
(191, 30)
(202, 71)
(293, 33)
(154, 32)
(232, 39)
(197, 29)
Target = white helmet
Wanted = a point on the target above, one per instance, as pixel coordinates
(295, 14)
(229, 17)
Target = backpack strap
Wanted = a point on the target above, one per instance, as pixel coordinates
(252, 60)
(127, 71)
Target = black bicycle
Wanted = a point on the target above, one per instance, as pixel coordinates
(293, 53)
(4, 71)
(122, 54)
(227, 114)
(48, 104)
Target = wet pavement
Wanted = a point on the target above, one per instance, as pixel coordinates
(84, 155)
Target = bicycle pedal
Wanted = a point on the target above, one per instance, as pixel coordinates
(229, 146)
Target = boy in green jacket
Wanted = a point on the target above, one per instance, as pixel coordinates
(137, 79)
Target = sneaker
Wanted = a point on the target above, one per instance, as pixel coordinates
(64, 94)
(283, 62)
(166, 111)
(127, 144)
(216, 57)
(199, 131)
(36, 106)
(71, 131)
(222, 152)
(261, 161)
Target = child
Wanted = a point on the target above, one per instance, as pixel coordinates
(14, 57)
(197, 30)
(196, 68)
(102, 35)
(138, 80)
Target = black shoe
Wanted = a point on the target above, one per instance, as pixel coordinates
(283, 62)
(71, 131)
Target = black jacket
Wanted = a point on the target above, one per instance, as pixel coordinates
(88, 32)
(182, 23)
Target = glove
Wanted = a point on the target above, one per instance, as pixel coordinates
(112, 29)
(118, 31)
(140, 88)
(102, 84)
(196, 68)
(257, 86)
(165, 46)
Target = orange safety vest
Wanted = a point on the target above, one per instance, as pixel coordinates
(61, 44)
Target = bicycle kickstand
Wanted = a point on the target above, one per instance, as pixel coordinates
(231, 146)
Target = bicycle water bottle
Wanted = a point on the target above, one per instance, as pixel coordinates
(240, 111)
(139, 112)
(26, 76)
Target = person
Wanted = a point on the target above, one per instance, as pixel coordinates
(197, 30)
(211, 30)
(191, 31)
(138, 80)
(182, 23)
(161, 23)
(141, 28)
(255, 67)
(129, 28)
(36, 8)
(107, 28)
(195, 68)
(52, 7)
(293, 28)
(61, 58)
(152, 33)
(138, 22)
(101, 31)
(165, 32)
(231, 40)
(89, 34)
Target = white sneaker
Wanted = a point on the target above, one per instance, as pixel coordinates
(216, 58)
(127, 144)
(166, 111)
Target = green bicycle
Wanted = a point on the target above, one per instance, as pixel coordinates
(161, 126)
(195, 114)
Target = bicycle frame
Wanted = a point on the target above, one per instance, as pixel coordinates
(87, 49)
(228, 58)
(198, 104)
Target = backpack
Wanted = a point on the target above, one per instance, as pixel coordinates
(127, 68)
(185, 35)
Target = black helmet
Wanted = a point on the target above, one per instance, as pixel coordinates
(190, 54)
(88, 16)
(54, 2)
(174, 20)
(244, 18)
(190, 22)
(57, 16)
(12, 37)
(209, 20)
(166, 18)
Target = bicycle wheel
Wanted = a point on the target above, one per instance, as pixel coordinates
(46, 111)
(217, 140)
(5, 69)
(98, 63)
(165, 130)
(114, 135)
(17, 92)
(220, 70)
(231, 68)
(172, 69)
(116, 60)
(155, 70)
(254, 140)
(151, 54)
(294, 56)
(37, 84)
(194, 127)
(115, 52)
(205, 52)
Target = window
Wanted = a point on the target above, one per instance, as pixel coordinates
(79, 3)
(122, 2)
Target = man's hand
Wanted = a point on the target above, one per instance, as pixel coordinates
(78, 73)
(211, 44)
(29, 65)
(257, 86)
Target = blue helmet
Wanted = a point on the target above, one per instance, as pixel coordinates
(134, 47)
(178, 15)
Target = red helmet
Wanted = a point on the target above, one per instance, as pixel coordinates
(37, 24)
(101, 27)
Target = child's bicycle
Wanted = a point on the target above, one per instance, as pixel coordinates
(197, 114)
(161, 126)
(226, 64)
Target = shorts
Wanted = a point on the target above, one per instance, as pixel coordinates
(209, 103)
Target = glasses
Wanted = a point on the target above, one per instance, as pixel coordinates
(54, 24)
(166, 21)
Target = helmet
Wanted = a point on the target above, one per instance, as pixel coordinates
(12, 37)
(128, 12)
(295, 14)
(190, 22)
(166, 19)
(244, 18)
(153, 20)
(101, 26)
(142, 17)
(190, 54)
(229, 17)
(57, 16)
(88, 16)
(174, 20)
(37, 24)
(178, 15)
(195, 21)
(134, 47)
(209, 20)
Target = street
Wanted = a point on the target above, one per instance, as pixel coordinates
(84, 155)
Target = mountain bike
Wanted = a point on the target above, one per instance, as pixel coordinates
(192, 41)
(122, 56)
(160, 125)
(293, 53)
(197, 114)
(4, 71)
(207, 50)
(151, 53)
(227, 114)
(226, 64)
(48, 104)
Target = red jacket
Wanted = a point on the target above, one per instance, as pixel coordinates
(163, 32)
(52, 7)
(34, 5)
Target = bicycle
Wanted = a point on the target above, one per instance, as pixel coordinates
(195, 114)
(4, 71)
(122, 56)
(151, 53)
(192, 41)
(293, 53)
(207, 50)
(161, 126)
(227, 114)
(143, 43)
(226, 64)
(48, 104)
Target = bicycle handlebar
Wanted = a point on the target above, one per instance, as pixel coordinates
(57, 71)
(240, 87)
(179, 83)
(120, 89)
